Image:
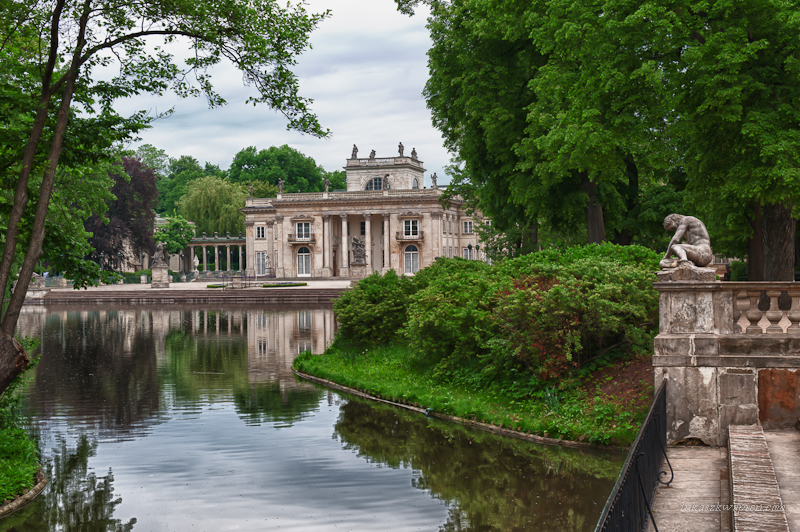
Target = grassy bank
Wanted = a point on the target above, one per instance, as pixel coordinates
(19, 454)
(588, 409)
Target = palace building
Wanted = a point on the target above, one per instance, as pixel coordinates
(386, 219)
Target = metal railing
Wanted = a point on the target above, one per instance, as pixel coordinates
(629, 506)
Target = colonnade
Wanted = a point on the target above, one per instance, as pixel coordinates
(226, 247)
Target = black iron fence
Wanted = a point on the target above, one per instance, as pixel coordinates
(629, 505)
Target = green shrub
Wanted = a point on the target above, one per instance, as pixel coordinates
(373, 312)
(738, 271)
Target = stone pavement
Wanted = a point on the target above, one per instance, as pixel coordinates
(784, 448)
(691, 502)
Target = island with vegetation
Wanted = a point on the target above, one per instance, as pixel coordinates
(555, 343)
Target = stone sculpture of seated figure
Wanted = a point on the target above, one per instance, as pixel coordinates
(698, 247)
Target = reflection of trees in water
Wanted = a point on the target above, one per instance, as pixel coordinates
(205, 367)
(101, 366)
(490, 483)
(268, 402)
(75, 500)
(200, 367)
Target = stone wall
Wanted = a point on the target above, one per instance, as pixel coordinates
(730, 352)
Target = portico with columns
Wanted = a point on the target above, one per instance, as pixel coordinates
(386, 219)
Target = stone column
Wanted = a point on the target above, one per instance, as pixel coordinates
(458, 235)
(249, 235)
(345, 252)
(368, 241)
(241, 257)
(205, 259)
(191, 258)
(326, 245)
(228, 265)
(273, 262)
(387, 226)
(280, 268)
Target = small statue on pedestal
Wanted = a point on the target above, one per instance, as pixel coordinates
(327, 184)
(698, 248)
(159, 258)
(433, 181)
(281, 182)
(354, 155)
(400, 149)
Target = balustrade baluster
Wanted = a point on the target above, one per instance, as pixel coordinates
(794, 312)
(740, 311)
(774, 314)
(754, 314)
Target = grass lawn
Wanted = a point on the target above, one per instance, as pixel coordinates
(587, 410)
(19, 462)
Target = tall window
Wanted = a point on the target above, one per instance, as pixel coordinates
(411, 259)
(261, 231)
(468, 254)
(411, 227)
(304, 262)
(376, 183)
(304, 320)
(363, 228)
(261, 263)
(415, 184)
(303, 230)
(467, 227)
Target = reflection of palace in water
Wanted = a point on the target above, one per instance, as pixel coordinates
(274, 337)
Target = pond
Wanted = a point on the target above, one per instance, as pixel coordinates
(189, 418)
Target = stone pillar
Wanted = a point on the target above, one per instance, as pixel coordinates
(368, 241)
(249, 235)
(228, 265)
(271, 246)
(326, 245)
(387, 226)
(241, 257)
(344, 270)
(205, 259)
(458, 235)
(280, 267)
(191, 258)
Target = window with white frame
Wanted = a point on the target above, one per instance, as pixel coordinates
(303, 230)
(261, 263)
(411, 227)
(411, 259)
(303, 262)
(376, 184)
(261, 231)
(468, 253)
(468, 227)
(304, 320)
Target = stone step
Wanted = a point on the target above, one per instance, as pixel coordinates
(756, 498)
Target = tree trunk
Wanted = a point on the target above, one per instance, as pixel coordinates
(778, 230)
(625, 237)
(595, 228)
(13, 360)
(755, 247)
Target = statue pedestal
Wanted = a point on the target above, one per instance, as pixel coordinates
(160, 277)
(358, 270)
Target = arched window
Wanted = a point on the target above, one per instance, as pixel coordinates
(303, 262)
(411, 259)
(377, 183)
(415, 184)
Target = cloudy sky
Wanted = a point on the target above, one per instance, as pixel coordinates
(365, 73)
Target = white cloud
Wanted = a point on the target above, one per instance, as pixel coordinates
(365, 72)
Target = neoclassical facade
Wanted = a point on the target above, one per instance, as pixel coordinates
(386, 219)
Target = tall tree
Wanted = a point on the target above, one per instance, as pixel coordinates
(214, 204)
(260, 37)
(300, 172)
(126, 227)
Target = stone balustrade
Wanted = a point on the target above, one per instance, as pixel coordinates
(401, 236)
(308, 238)
(731, 354)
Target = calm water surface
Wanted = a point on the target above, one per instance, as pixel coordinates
(190, 419)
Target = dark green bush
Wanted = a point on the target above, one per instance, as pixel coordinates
(373, 312)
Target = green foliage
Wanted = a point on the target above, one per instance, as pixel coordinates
(300, 172)
(518, 324)
(373, 312)
(214, 204)
(177, 233)
(738, 271)
(19, 454)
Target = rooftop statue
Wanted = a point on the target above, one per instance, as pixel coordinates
(281, 182)
(327, 184)
(372, 154)
(697, 250)
(433, 181)
(251, 191)
(414, 153)
(355, 152)
(400, 149)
